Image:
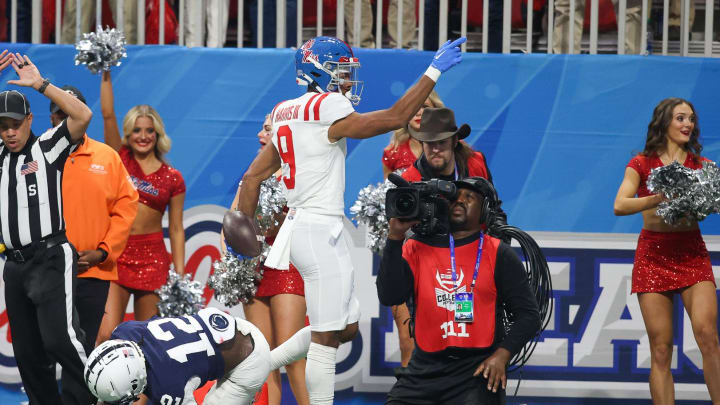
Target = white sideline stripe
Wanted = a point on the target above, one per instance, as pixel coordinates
(579, 240)
(69, 302)
(601, 389)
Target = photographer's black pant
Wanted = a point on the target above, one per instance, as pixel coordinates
(39, 296)
(90, 298)
(436, 379)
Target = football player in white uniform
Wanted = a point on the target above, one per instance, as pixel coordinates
(309, 137)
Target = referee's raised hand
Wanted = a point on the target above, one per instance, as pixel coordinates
(28, 74)
(79, 114)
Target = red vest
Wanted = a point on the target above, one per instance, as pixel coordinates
(435, 328)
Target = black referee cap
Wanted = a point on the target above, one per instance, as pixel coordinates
(13, 104)
(72, 90)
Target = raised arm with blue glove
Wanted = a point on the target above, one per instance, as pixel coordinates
(446, 57)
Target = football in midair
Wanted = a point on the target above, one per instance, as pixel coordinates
(241, 233)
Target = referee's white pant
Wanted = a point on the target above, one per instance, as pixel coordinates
(39, 296)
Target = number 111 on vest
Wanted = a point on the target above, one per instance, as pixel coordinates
(449, 329)
(287, 154)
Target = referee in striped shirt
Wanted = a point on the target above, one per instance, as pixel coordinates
(41, 264)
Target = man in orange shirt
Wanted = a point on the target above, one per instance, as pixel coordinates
(100, 205)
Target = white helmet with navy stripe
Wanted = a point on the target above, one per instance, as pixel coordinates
(115, 372)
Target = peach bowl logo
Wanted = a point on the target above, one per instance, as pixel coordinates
(202, 233)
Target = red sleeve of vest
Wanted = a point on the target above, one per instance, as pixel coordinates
(477, 165)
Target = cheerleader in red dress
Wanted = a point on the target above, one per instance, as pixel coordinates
(278, 309)
(667, 261)
(144, 264)
(400, 154)
(671, 259)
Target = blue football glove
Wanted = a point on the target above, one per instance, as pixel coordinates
(448, 55)
(239, 256)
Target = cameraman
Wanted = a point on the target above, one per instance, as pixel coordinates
(460, 355)
(444, 156)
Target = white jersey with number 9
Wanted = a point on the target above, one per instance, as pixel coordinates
(313, 168)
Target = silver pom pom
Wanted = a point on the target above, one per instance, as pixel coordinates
(235, 281)
(671, 180)
(270, 203)
(707, 196)
(101, 50)
(692, 194)
(180, 296)
(369, 209)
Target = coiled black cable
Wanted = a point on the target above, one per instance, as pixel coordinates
(538, 274)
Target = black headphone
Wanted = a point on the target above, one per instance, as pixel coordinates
(490, 200)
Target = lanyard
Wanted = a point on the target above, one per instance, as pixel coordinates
(477, 262)
(456, 172)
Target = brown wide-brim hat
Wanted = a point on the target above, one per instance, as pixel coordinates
(438, 124)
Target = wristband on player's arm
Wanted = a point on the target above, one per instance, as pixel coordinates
(433, 73)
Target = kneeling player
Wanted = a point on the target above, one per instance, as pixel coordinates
(166, 359)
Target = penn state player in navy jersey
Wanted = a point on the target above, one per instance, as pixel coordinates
(167, 359)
